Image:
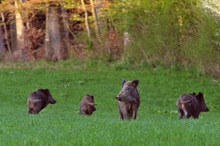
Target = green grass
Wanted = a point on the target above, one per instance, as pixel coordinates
(60, 124)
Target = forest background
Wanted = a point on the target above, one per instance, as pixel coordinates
(174, 33)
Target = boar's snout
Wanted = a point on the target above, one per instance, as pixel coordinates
(93, 108)
(119, 96)
(52, 101)
(206, 109)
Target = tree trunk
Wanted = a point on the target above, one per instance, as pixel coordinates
(94, 14)
(2, 48)
(99, 12)
(19, 26)
(65, 23)
(6, 38)
(86, 20)
(13, 35)
(48, 51)
(55, 46)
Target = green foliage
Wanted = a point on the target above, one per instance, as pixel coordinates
(169, 32)
(60, 124)
(70, 4)
(203, 50)
(162, 32)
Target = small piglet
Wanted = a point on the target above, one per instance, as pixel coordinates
(128, 100)
(38, 100)
(87, 105)
(190, 105)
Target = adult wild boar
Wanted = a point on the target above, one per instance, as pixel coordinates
(38, 100)
(87, 105)
(128, 100)
(190, 105)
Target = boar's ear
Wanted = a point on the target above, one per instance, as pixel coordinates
(193, 93)
(135, 83)
(92, 97)
(123, 82)
(200, 97)
(42, 90)
(46, 91)
(200, 94)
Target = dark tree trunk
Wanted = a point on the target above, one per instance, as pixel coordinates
(98, 13)
(4, 36)
(13, 35)
(55, 45)
(94, 14)
(65, 24)
(2, 47)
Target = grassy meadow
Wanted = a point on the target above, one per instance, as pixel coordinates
(60, 124)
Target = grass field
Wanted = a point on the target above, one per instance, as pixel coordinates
(60, 124)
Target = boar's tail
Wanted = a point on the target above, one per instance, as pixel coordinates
(92, 104)
(186, 100)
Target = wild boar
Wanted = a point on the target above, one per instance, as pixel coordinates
(128, 100)
(38, 100)
(87, 105)
(190, 105)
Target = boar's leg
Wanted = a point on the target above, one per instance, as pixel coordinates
(121, 114)
(33, 111)
(91, 107)
(187, 114)
(180, 113)
(88, 110)
(38, 107)
(186, 109)
(32, 107)
(134, 112)
(83, 111)
(89, 113)
(194, 112)
(30, 111)
(195, 115)
(125, 115)
(121, 117)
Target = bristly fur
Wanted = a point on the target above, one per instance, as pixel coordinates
(190, 105)
(87, 105)
(38, 100)
(128, 100)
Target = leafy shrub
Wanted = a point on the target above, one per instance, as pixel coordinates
(169, 32)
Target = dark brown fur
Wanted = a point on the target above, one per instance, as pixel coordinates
(190, 105)
(38, 100)
(128, 100)
(87, 105)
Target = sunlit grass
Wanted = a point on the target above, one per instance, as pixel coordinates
(60, 124)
